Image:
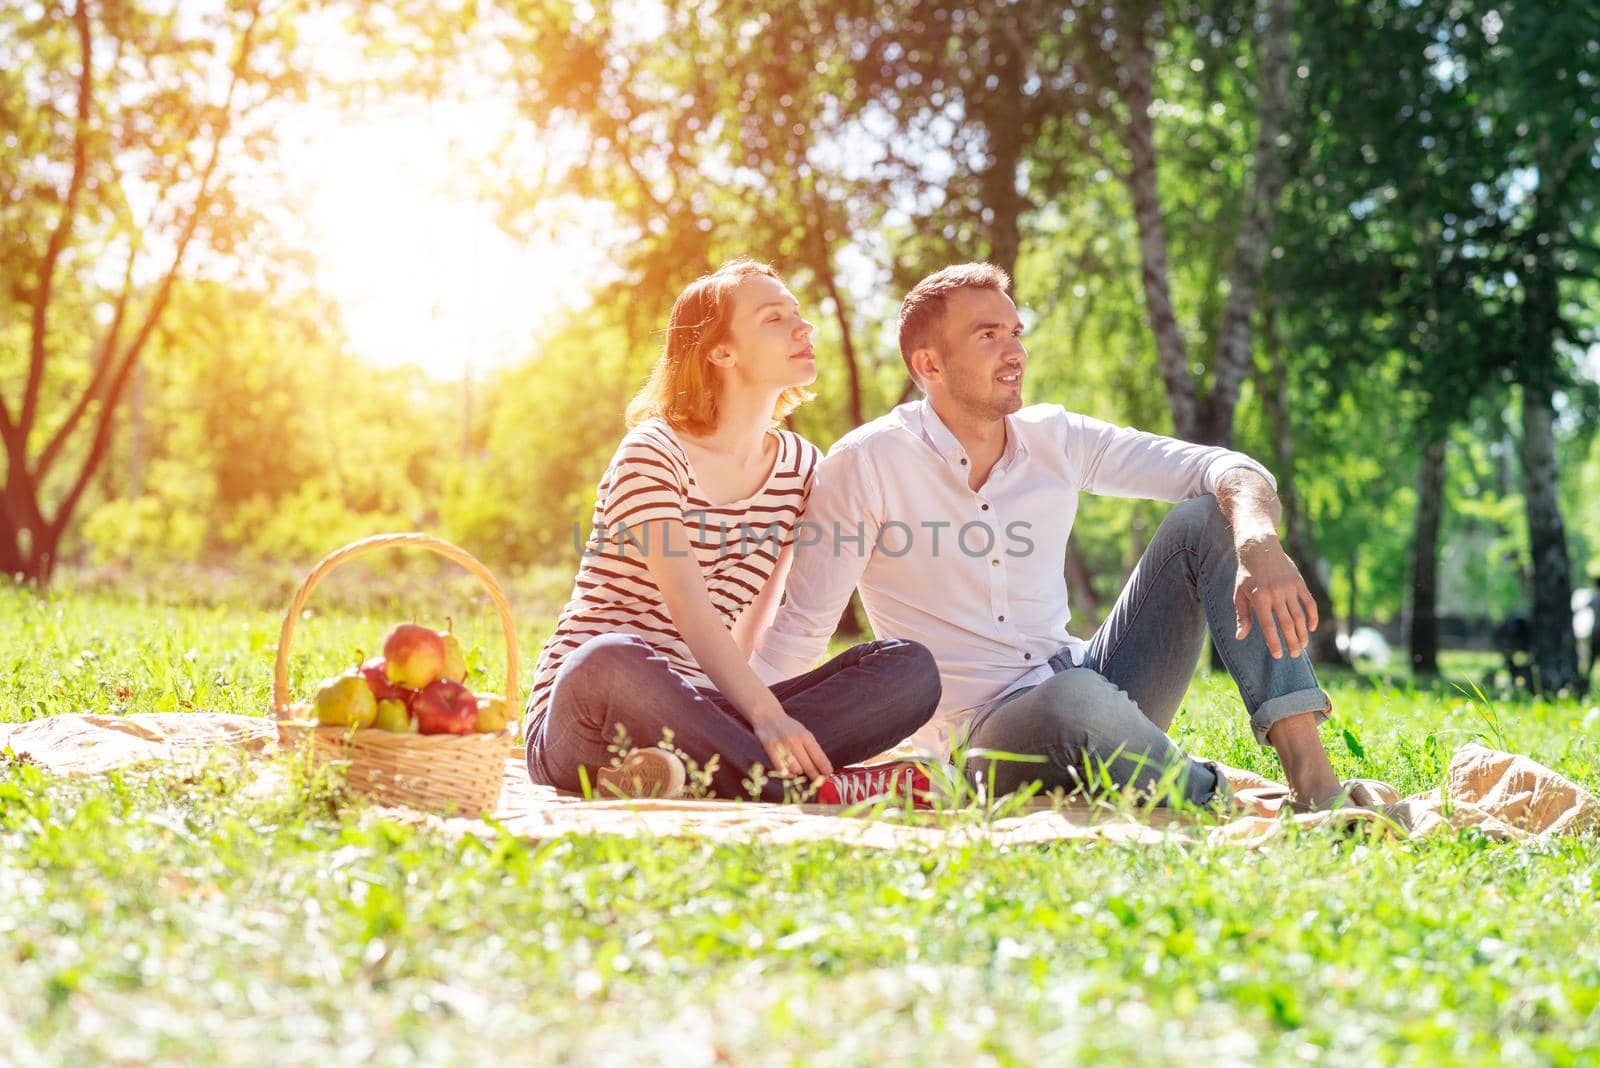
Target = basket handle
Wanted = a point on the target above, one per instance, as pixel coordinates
(280, 669)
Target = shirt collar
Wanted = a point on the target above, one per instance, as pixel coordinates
(945, 444)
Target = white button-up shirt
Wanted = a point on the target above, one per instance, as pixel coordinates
(978, 576)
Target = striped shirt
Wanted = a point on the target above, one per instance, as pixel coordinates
(737, 545)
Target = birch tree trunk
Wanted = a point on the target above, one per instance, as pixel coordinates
(1234, 336)
(1424, 639)
(1298, 535)
(1154, 274)
(1555, 649)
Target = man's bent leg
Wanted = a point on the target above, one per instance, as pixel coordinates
(1077, 731)
(1181, 588)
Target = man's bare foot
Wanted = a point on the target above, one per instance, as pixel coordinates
(1305, 762)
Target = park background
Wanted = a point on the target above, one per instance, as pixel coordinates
(278, 275)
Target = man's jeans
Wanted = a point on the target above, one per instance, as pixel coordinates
(857, 705)
(1107, 717)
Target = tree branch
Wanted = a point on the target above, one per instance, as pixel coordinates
(102, 371)
(58, 238)
(823, 268)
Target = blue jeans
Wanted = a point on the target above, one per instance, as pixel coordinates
(1109, 715)
(860, 703)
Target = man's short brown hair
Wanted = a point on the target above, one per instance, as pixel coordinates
(922, 312)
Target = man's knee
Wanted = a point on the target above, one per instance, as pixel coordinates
(1087, 709)
(1196, 521)
(1068, 714)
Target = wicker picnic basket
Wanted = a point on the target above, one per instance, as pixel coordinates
(439, 772)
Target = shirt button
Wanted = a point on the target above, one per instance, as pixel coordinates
(985, 507)
(963, 461)
(996, 563)
(1027, 656)
(1002, 619)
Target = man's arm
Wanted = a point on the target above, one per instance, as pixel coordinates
(832, 545)
(1119, 461)
(1123, 462)
(1269, 584)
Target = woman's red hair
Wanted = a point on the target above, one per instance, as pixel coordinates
(682, 388)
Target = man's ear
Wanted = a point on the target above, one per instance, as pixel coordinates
(926, 365)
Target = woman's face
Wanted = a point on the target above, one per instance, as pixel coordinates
(768, 342)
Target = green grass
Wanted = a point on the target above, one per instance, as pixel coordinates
(179, 919)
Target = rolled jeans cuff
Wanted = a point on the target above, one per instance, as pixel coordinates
(1289, 704)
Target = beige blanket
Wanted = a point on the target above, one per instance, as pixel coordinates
(1503, 795)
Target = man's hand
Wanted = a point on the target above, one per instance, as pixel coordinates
(1270, 586)
(792, 749)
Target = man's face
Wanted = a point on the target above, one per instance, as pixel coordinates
(981, 359)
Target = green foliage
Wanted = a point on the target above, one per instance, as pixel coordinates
(127, 131)
(144, 528)
(261, 438)
(856, 145)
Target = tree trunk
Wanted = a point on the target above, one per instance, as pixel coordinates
(1354, 565)
(1555, 649)
(849, 625)
(1003, 129)
(822, 268)
(1424, 640)
(11, 562)
(136, 435)
(1297, 524)
(22, 525)
(1154, 275)
(1234, 336)
(1080, 589)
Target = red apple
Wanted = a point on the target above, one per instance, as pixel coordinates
(445, 707)
(413, 655)
(382, 689)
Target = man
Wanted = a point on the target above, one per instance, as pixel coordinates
(952, 514)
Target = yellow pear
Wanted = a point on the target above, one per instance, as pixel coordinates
(455, 664)
(491, 713)
(345, 701)
(393, 716)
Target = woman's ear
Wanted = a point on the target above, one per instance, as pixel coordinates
(720, 356)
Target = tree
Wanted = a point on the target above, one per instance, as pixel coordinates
(128, 122)
(1420, 232)
(1542, 65)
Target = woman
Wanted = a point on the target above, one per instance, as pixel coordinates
(692, 537)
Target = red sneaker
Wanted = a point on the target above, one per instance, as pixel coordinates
(876, 782)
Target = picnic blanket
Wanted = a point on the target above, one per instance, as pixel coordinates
(1502, 795)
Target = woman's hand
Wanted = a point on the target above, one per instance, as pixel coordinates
(791, 748)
